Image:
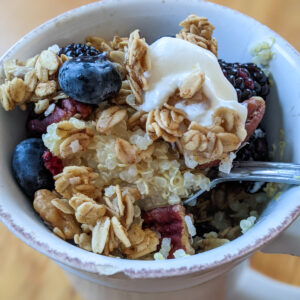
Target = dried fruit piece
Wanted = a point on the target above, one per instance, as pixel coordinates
(169, 222)
(69, 107)
(52, 163)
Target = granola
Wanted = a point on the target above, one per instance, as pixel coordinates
(139, 138)
(198, 30)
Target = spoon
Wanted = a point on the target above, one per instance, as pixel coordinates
(288, 173)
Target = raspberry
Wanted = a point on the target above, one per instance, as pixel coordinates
(76, 50)
(248, 79)
(52, 163)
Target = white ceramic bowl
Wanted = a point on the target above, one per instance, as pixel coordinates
(156, 18)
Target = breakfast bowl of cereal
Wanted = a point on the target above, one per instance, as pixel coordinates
(115, 113)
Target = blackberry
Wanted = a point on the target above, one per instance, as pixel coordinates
(77, 50)
(248, 79)
(256, 149)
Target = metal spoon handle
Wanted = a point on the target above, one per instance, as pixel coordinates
(263, 171)
(288, 173)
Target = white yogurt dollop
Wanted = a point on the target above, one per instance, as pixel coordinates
(173, 60)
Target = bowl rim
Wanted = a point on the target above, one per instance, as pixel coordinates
(103, 265)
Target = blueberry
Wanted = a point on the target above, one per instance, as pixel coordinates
(28, 167)
(89, 79)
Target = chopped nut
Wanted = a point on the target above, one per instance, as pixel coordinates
(56, 218)
(45, 89)
(110, 117)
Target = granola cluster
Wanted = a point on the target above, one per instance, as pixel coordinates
(34, 80)
(102, 226)
(198, 30)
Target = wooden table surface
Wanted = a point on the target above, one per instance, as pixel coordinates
(24, 273)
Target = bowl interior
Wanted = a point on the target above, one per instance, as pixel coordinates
(235, 33)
